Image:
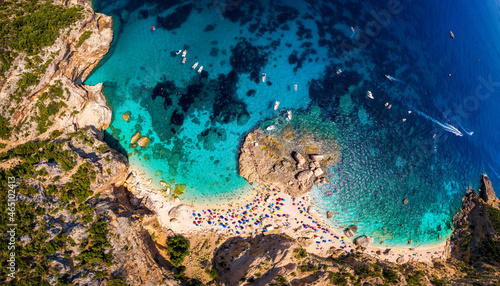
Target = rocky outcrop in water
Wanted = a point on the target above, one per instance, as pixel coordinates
(266, 160)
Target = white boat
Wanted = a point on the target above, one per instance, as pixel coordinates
(184, 53)
(276, 104)
(178, 52)
(195, 65)
(387, 103)
(295, 87)
(289, 114)
(269, 128)
(369, 94)
(200, 69)
(404, 119)
(184, 60)
(263, 77)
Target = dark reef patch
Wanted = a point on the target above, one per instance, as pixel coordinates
(165, 89)
(209, 28)
(214, 52)
(227, 107)
(286, 13)
(247, 58)
(176, 19)
(325, 92)
(143, 14)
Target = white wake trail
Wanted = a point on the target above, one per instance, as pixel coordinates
(445, 126)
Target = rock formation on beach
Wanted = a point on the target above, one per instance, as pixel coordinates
(288, 166)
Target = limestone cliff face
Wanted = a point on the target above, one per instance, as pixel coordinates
(70, 62)
(472, 226)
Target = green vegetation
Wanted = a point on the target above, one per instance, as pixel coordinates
(494, 215)
(84, 37)
(5, 128)
(490, 250)
(34, 219)
(391, 275)
(436, 281)
(366, 271)
(30, 25)
(279, 281)
(94, 254)
(53, 96)
(337, 278)
(178, 249)
(213, 274)
(415, 279)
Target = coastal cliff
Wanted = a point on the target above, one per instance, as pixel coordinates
(34, 83)
(85, 219)
(75, 224)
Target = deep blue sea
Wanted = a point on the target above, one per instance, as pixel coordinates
(401, 146)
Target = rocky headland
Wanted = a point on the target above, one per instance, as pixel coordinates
(290, 159)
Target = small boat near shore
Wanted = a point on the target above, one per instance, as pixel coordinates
(276, 105)
(184, 53)
(289, 114)
(369, 94)
(195, 65)
(200, 69)
(270, 128)
(263, 77)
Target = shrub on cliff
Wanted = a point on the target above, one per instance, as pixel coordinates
(178, 249)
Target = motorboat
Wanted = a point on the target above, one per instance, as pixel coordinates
(184, 60)
(195, 65)
(200, 69)
(369, 94)
(263, 77)
(276, 104)
(184, 53)
(289, 114)
(270, 128)
(178, 52)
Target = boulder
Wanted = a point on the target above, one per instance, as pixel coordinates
(329, 214)
(143, 141)
(126, 116)
(176, 212)
(350, 231)
(299, 158)
(304, 176)
(135, 137)
(400, 259)
(318, 172)
(363, 241)
(311, 166)
(317, 157)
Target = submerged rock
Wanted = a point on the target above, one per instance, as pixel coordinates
(126, 116)
(143, 142)
(135, 137)
(329, 214)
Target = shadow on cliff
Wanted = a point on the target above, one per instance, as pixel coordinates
(114, 144)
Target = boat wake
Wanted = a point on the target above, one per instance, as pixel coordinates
(391, 78)
(493, 170)
(445, 126)
(466, 132)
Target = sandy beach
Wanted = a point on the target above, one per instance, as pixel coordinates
(278, 212)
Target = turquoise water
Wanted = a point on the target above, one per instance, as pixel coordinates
(196, 121)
